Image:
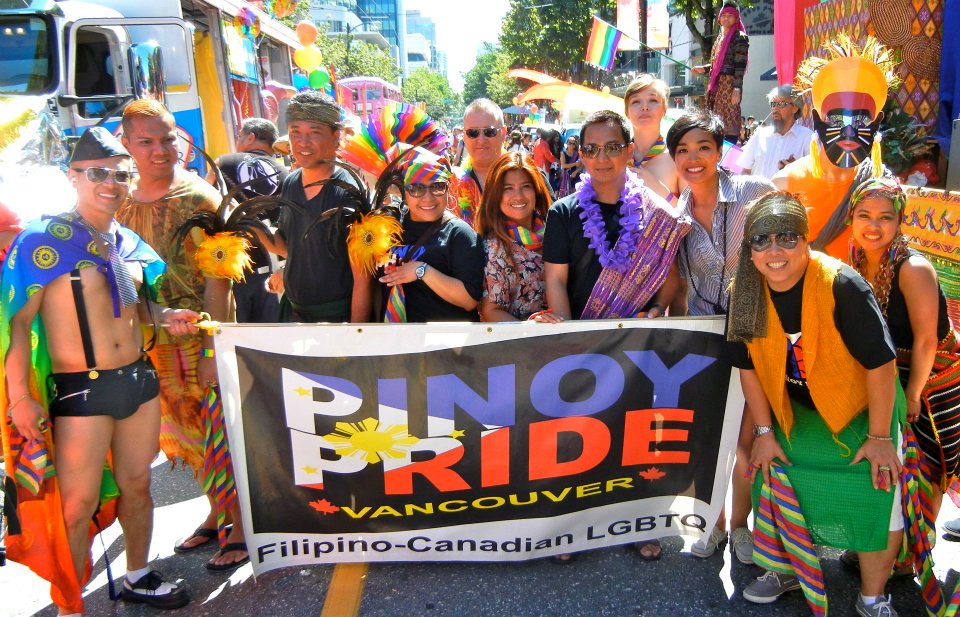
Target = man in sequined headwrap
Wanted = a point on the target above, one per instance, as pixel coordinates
(319, 283)
(849, 92)
(818, 372)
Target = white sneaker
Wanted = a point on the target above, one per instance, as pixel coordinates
(706, 548)
(769, 587)
(741, 541)
(883, 608)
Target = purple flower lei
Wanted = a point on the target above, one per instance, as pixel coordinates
(631, 209)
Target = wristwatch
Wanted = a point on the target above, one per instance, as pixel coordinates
(421, 270)
(761, 430)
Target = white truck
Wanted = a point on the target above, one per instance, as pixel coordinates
(91, 58)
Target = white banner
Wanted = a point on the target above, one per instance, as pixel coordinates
(486, 442)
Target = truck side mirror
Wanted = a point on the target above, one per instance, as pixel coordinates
(146, 71)
(28, 55)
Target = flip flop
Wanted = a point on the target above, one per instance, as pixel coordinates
(639, 546)
(232, 546)
(209, 536)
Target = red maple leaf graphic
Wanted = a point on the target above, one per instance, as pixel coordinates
(651, 474)
(324, 506)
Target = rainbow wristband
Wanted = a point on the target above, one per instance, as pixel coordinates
(206, 352)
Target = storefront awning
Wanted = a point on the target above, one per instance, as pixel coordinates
(268, 26)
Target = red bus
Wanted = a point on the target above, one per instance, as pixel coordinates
(370, 94)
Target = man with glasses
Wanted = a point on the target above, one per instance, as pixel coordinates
(483, 137)
(162, 198)
(771, 148)
(597, 261)
(74, 362)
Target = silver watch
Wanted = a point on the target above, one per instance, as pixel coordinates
(421, 270)
(761, 430)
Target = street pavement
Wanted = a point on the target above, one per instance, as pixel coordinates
(611, 582)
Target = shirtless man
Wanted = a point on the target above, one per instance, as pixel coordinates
(80, 272)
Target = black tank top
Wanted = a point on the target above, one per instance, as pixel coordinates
(898, 320)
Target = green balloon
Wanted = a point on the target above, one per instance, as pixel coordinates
(318, 79)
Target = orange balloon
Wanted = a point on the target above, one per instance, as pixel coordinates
(307, 32)
(308, 58)
(534, 109)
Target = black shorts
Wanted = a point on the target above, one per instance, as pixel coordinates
(117, 392)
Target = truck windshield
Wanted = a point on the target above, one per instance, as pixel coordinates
(27, 60)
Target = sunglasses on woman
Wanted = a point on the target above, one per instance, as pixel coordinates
(784, 239)
(438, 189)
(489, 132)
(99, 175)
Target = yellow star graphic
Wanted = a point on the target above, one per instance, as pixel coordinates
(457, 433)
(309, 469)
(302, 391)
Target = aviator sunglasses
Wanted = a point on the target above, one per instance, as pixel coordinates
(784, 239)
(99, 175)
(779, 104)
(592, 151)
(489, 132)
(419, 190)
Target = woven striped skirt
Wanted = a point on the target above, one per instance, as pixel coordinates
(938, 427)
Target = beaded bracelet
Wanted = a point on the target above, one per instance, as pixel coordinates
(877, 438)
(207, 352)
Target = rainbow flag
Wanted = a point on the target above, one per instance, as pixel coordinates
(602, 47)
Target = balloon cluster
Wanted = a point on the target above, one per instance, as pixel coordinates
(279, 8)
(533, 113)
(247, 23)
(309, 58)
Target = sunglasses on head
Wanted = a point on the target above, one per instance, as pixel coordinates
(592, 151)
(489, 132)
(784, 239)
(419, 190)
(98, 175)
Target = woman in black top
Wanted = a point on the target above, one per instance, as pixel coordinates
(914, 306)
(437, 272)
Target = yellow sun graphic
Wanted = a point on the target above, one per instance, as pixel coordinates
(373, 441)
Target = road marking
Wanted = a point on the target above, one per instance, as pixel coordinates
(345, 590)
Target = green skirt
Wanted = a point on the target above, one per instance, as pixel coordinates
(838, 501)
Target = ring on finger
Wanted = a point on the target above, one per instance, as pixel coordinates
(884, 468)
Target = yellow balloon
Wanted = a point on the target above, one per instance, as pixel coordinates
(605, 89)
(515, 100)
(308, 58)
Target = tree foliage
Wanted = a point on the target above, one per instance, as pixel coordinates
(433, 89)
(707, 10)
(551, 36)
(488, 78)
(363, 58)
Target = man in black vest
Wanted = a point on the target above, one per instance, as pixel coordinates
(254, 159)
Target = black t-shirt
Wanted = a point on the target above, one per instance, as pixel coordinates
(243, 167)
(856, 316)
(454, 250)
(316, 271)
(564, 243)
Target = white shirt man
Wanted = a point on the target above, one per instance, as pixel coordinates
(772, 147)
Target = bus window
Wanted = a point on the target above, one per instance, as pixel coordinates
(94, 72)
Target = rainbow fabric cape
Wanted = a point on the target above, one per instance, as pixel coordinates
(47, 249)
(602, 46)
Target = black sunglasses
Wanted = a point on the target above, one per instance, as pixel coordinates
(784, 239)
(419, 190)
(99, 175)
(592, 151)
(489, 132)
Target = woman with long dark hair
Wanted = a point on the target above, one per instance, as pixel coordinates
(512, 219)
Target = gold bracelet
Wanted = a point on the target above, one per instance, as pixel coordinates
(17, 402)
(878, 438)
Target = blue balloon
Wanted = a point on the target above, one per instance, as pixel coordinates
(300, 81)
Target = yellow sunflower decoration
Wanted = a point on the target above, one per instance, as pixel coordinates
(224, 256)
(370, 240)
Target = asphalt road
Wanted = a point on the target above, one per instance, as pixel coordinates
(611, 582)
